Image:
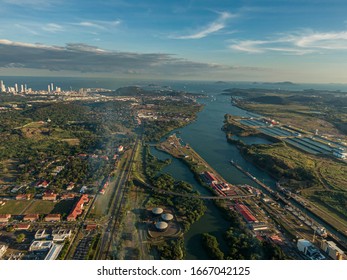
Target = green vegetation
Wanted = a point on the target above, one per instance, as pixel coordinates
(211, 245)
(64, 251)
(14, 207)
(171, 250)
(20, 238)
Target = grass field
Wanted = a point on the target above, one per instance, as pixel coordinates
(40, 207)
(14, 207)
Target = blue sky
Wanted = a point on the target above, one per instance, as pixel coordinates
(259, 40)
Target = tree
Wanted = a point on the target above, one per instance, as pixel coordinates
(20, 238)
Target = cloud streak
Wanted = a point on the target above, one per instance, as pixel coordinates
(91, 59)
(211, 28)
(299, 43)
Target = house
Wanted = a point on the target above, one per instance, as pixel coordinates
(4, 218)
(42, 184)
(53, 218)
(23, 196)
(31, 217)
(70, 186)
(49, 196)
(67, 196)
(22, 226)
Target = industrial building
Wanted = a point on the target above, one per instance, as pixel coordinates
(309, 250)
(246, 213)
(332, 250)
(340, 153)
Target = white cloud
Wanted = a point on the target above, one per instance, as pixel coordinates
(99, 24)
(299, 43)
(52, 27)
(213, 27)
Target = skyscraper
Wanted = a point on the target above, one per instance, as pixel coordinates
(2, 87)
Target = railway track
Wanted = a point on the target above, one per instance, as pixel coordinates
(115, 209)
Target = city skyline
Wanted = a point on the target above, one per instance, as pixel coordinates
(263, 41)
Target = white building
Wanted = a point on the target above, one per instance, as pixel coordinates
(2, 87)
(40, 245)
(3, 249)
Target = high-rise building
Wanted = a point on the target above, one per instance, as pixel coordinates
(2, 87)
(49, 88)
(16, 88)
(21, 88)
(52, 87)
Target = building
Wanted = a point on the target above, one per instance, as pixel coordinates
(120, 149)
(49, 196)
(61, 235)
(22, 226)
(309, 250)
(54, 251)
(31, 217)
(340, 153)
(41, 234)
(91, 227)
(246, 213)
(53, 218)
(40, 245)
(23, 196)
(4, 218)
(78, 209)
(210, 177)
(259, 226)
(3, 249)
(68, 196)
(70, 186)
(161, 226)
(332, 250)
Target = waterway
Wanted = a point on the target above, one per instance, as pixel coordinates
(206, 137)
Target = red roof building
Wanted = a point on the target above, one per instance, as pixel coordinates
(31, 217)
(245, 212)
(209, 176)
(67, 196)
(23, 196)
(49, 196)
(52, 217)
(22, 226)
(4, 218)
(78, 208)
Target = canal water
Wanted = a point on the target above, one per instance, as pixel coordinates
(207, 138)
